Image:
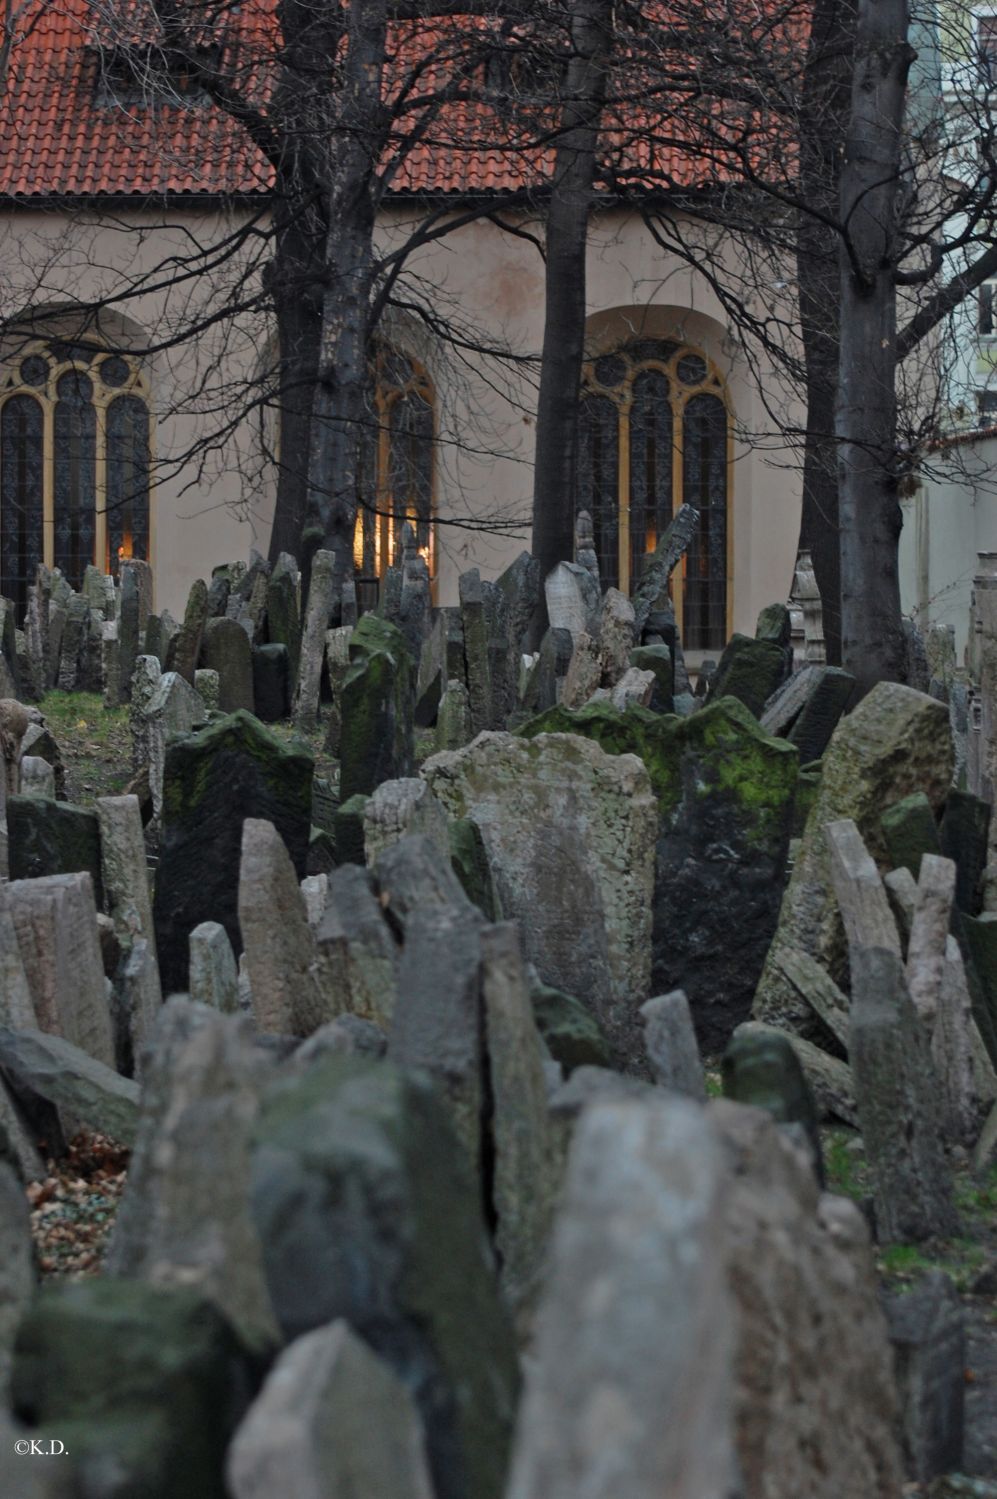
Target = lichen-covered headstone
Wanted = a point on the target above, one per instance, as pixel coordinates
(376, 740)
(49, 837)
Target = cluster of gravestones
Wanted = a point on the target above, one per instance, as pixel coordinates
(426, 1090)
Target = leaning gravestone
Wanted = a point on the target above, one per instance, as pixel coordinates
(185, 647)
(928, 1334)
(725, 796)
(895, 742)
(376, 742)
(569, 833)
(271, 682)
(214, 780)
(366, 1212)
(750, 670)
(37, 778)
(173, 710)
(283, 615)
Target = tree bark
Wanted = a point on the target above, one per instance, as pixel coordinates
(564, 324)
(824, 112)
(340, 405)
(866, 417)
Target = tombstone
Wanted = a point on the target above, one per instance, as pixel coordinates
(16, 1006)
(337, 665)
(359, 950)
(616, 634)
(207, 685)
(317, 615)
(282, 611)
(184, 1218)
(469, 862)
(808, 707)
(136, 606)
(49, 837)
(336, 1144)
(213, 977)
(271, 683)
(219, 591)
(453, 721)
(896, 741)
(398, 808)
(185, 648)
(20, 1135)
(436, 1023)
(145, 680)
(36, 630)
(56, 924)
(806, 595)
(569, 833)
(150, 1350)
(659, 567)
(910, 831)
(657, 659)
(17, 1270)
(80, 1086)
(347, 1035)
(414, 604)
(331, 1419)
(140, 999)
(519, 585)
(670, 1041)
(348, 830)
(584, 672)
(761, 1068)
(634, 688)
(231, 770)
(124, 868)
(227, 651)
(629, 1388)
(441, 660)
(963, 833)
(750, 670)
(37, 779)
(173, 711)
(74, 641)
(109, 663)
(411, 876)
(896, 1094)
(314, 889)
(542, 683)
(291, 992)
(928, 1334)
(573, 599)
(523, 1182)
(474, 626)
(377, 709)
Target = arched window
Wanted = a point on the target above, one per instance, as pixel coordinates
(75, 437)
(654, 432)
(399, 462)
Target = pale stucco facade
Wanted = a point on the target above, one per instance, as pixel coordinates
(214, 510)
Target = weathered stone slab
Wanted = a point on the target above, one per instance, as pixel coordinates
(629, 1391)
(331, 1421)
(213, 976)
(226, 650)
(17, 1270)
(928, 1334)
(318, 612)
(184, 1218)
(124, 868)
(37, 778)
(573, 599)
(910, 832)
(817, 989)
(16, 1005)
(659, 567)
(896, 1092)
(862, 901)
(453, 721)
(72, 1080)
(271, 682)
(47, 837)
(366, 1212)
(896, 741)
(670, 1042)
(569, 832)
(173, 710)
(141, 996)
(214, 780)
(519, 585)
(750, 670)
(829, 1079)
(291, 994)
(360, 953)
(761, 1068)
(282, 609)
(397, 809)
(376, 742)
(411, 875)
(146, 676)
(56, 924)
(964, 834)
(184, 650)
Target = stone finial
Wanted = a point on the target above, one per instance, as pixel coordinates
(805, 598)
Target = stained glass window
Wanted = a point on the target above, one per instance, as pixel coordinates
(397, 459)
(127, 479)
(653, 433)
(74, 491)
(21, 496)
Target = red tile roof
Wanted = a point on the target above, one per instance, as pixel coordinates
(63, 136)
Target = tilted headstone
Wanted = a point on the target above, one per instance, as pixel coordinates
(49, 837)
(145, 680)
(397, 808)
(291, 992)
(377, 710)
(136, 606)
(283, 616)
(213, 978)
(519, 585)
(573, 599)
(124, 868)
(185, 648)
(83, 1088)
(271, 682)
(453, 721)
(359, 950)
(140, 999)
(173, 711)
(928, 1333)
(441, 660)
(964, 833)
(331, 1420)
(184, 1218)
(584, 672)
(318, 612)
(231, 770)
(411, 875)
(629, 1389)
(761, 1068)
(671, 1045)
(658, 569)
(559, 803)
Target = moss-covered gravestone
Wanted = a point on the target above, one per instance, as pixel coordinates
(47, 837)
(725, 804)
(366, 1210)
(750, 670)
(143, 1385)
(910, 831)
(378, 707)
(214, 780)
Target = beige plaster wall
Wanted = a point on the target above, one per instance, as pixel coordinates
(493, 283)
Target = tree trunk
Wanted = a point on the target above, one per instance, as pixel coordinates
(824, 112)
(340, 406)
(866, 418)
(295, 279)
(564, 325)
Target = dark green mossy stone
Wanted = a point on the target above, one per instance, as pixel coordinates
(910, 832)
(964, 834)
(147, 1383)
(47, 837)
(749, 670)
(348, 831)
(214, 780)
(571, 1032)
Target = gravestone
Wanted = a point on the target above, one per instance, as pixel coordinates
(124, 868)
(136, 605)
(337, 665)
(331, 1420)
(519, 585)
(358, 948)
(207, 685)
(80, 1086)
(184, 650)
(453, 722)
(145, 679)
(173, 711)
(397, 808)
(227, 651)
(321, 586)
(282, 610)
(569, 833)
(37, 779)
(231, 770)
(760, 1068)
(213, 976)
(334, 1146)
(750, 670)
(271, 682)
(670, 1041)
(75, 636)
(17, 1268)
(377, 710)
(928, 1334)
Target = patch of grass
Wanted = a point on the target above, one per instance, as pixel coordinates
(714, 1087)
(94, 741)
(959, 1258)
(846, 1169)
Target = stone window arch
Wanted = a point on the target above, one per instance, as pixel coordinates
(654, 432)
(75, 456)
